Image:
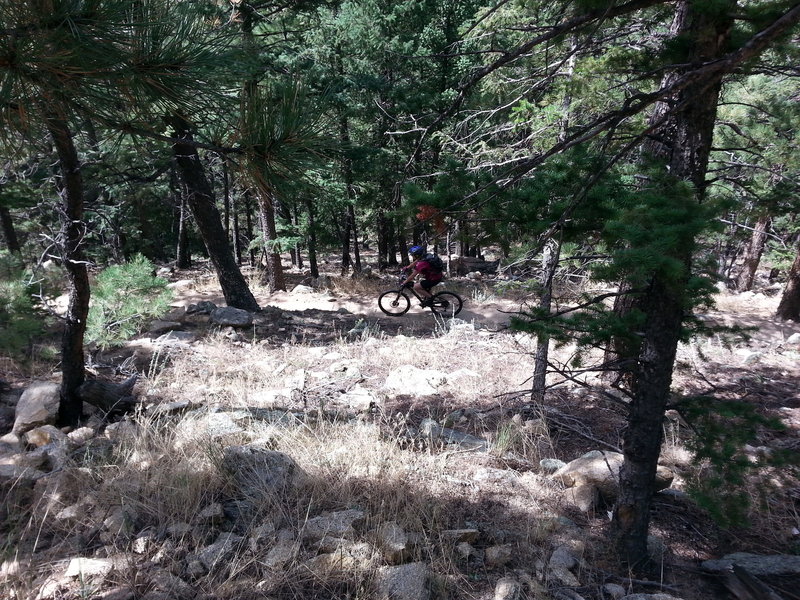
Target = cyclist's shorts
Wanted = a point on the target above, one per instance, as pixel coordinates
(427, 284)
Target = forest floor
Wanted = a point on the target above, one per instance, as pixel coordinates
(337, 341)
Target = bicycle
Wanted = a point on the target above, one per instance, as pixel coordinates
(396, 303)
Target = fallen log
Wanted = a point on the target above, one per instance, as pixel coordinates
(113, 398)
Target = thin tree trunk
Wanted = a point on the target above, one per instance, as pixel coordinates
(297, 247)
(226, 198)
(383, 240)
(73, 230)
(789, 307)
(351, 217)
(275, 278)
(9, 233)
(237, 234)
(248, 211)
(206, 217)
(752, 254)
(184, 255)
(312, 239)
(550, 258)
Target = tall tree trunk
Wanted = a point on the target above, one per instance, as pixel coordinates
(683, 141)
(9, 233)
(275, 278)
(789, 307)
(248, 208)
(551, 254)
(383, 240)
(351, 217)
(752, 254)
(312, 238)
(206, 217)
(237, 234)
(297, 247)
(73, 230)
(184, 255)
(226, 197)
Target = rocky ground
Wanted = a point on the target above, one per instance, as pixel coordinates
(401, 454)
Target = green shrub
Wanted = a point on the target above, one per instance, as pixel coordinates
(124, 298)
(20, 321)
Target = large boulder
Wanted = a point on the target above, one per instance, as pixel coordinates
(597, 472)
(259, 471)
(756, 564)
(37, 406)
(227, 316)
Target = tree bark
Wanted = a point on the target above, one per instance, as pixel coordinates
(312, 238)
(275, 279)
(789, 307)
(682, 140)
(9, 233)
(73, 230)
(351, 217)
(184, 256)
(752, 254)
(552, 251)
(206, 217)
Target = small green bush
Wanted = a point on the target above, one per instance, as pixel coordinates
(124, 298)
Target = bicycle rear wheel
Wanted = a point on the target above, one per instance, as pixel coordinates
(446, 304)
(394, 303)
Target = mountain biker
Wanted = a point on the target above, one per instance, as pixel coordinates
(420, 266)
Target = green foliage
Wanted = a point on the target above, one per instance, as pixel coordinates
(722, 429)
(20, 320)
(124, 298)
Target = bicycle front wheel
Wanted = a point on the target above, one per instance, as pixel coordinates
(447, 304)
(394, 303)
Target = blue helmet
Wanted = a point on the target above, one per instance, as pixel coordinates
(417, 251)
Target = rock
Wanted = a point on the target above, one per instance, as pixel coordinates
(181, 284)
(91, 567)
(551, 465)
(359, 398)
(203, 307)
(507, 588)
(218, 552)
(44, 435)
(215, 425)
(405, 582)
(337, 524)
(37, 406)
(283, 552)
(794, 339)
(348, 557)
(228, 316)
(614, 591)
(414, 381)
(465, 550)
(213, 514)
(433, 431)
(302, 289)
(14, 475)
(461, 535)
(260, 472)
(561, 564)
(117, 593)
(498, 556)
(601, 470)
(756, 564)
(585, 496)
(393, 541)
(80, 436)
(174, 586)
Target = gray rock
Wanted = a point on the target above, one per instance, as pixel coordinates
(393, 541)
(37, 406)
(158, 326)
(432, 430)
(498, 556)
(227, 316)
(405, 582)
(560, 566)
(212, 514)
(359, 398)
(585, 496)
(613, 590)
(794, 339)
(348, 557)
(414, 381)
(219, 551)
(507, 588)
(284, 551)
(80, 436)
(337, 524)
(260, 472)
(551, 465)
(205, 307)
(174, 586)
(756, 564)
